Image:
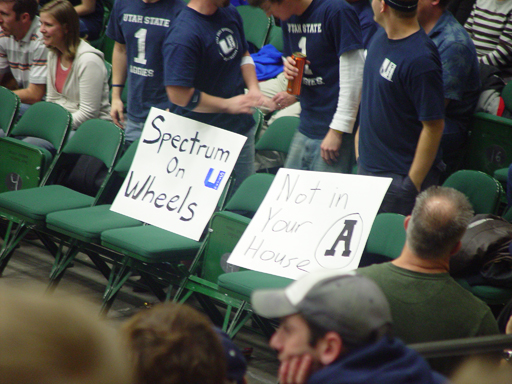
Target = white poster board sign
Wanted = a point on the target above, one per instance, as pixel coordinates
(311, 221)
(178, 174)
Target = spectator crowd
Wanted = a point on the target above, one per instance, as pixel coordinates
(388, 88)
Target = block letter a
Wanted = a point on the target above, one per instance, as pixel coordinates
(345, 236)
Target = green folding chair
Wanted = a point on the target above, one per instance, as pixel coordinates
(158, 255)
(10, 103)
(489, 144)
(387, 238)
(483, 191)
(275, 37)
(279, 135)
(80, 229)
(23, 165)
(29, 207)
(256, 24)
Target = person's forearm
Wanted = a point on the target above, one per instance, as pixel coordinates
(119, 68)
(249, 75)
(426, 151)
(86, 7)
(32, 94)
(351, 79)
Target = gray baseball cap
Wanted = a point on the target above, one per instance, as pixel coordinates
(347, 303)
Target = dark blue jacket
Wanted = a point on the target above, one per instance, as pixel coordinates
(388, 361)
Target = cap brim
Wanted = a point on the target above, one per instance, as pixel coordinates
(272, 303)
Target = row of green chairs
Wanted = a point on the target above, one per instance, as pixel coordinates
(29, 207)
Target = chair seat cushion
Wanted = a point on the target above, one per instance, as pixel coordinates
(501, 174)
(150, 244)
(35, 203)
(492, 295)
(245, 282)
(89, 222)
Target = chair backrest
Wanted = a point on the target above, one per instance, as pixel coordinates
(226, 227)
(250, 193)
(48, 121)
(387, 236)
(256, 24)
(275, 37)
(9, 107)
(125, 162)
(489, 144)
(278, 135)
(483, 191)
(22, 165)
(97, 138)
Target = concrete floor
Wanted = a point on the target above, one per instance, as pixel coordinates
(31, 264)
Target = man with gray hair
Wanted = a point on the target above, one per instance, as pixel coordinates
(336, 328)
(427, 304)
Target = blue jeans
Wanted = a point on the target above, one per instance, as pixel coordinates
(401, 194)
(132, 131)
(305, 153)
(244, 166)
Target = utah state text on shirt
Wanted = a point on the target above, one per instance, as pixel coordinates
(305, 28)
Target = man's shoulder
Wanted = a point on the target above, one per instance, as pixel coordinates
(375, 270)
(450, 36)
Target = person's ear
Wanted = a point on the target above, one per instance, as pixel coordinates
(406, 222)
(25, 17)
(456, 248)
(329, 348)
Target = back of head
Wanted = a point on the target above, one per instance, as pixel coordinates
(174, 344)
(438, 222)
(403, 9)
(23, 6)
(57, 340)
(351, 305)
(65, 14)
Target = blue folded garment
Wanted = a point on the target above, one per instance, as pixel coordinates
(268, 61)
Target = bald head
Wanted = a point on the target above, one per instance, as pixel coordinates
(438, 222)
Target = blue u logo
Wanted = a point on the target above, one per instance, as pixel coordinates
(215, 184)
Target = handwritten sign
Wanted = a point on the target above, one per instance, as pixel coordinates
(178, 174)
(311, 221)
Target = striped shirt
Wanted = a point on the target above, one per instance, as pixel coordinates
(26, 58)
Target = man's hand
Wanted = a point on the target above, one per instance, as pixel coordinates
(295, 370)
(117, 112)
(330, 147)
(242, 104)
(262, 101)
(283, 100)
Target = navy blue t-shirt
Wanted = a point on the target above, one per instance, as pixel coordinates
(143, 27)
(402, 86)
(326, 30)
(205, 52)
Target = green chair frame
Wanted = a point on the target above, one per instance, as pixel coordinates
(80, 229)
(10, 103)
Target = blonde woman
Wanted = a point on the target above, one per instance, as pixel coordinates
(77, 77)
